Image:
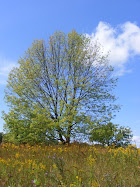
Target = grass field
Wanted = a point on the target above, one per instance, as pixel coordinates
(77, 165)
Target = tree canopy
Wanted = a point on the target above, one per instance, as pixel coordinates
(60, 86)
(108, 134)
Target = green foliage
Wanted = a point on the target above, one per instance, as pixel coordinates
(111, 134)
(54, 88)
(103, 133)
(123, 137)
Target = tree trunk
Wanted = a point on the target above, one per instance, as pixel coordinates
(61, 138)
(68, 140)
(68, 134)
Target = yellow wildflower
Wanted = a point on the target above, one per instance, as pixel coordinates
(54, 166)
(91, 160)
(17, 155)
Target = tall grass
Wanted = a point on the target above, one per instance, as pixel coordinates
(73, 166)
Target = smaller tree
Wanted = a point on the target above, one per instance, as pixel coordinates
(123, 137)
(111, 134)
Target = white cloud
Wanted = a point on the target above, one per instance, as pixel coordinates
(5, 67)
(136, 141)
(122, 43)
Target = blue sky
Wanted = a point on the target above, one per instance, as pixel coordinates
(115, 24)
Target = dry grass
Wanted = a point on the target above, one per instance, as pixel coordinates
(75, 165)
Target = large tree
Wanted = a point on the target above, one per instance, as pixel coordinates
(58, 87)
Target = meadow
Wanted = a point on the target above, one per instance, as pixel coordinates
(76, 165)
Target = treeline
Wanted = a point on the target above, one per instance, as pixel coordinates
(109, 134)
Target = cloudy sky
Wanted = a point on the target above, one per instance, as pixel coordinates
(114, 24)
